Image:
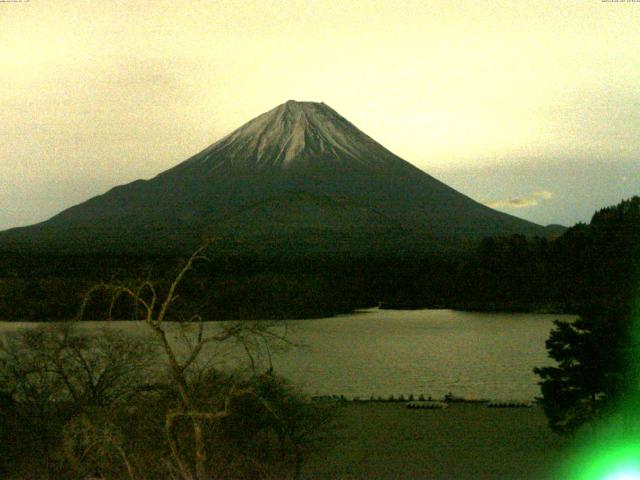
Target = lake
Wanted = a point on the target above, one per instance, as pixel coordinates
(395, 352)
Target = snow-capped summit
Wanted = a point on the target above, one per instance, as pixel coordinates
(295, 134)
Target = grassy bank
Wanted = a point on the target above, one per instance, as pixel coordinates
(464, 441)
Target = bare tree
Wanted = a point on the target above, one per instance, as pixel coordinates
(154, 309)
(99, 398)
(56, 371)
(57, 363)
(92, 441)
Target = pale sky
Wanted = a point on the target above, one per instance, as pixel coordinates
(532, 107)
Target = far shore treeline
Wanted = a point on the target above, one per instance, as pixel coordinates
(589, 264)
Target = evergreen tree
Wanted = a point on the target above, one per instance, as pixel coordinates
(594, 373)
(598, 354)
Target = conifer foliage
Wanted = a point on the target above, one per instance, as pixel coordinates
(597, 355)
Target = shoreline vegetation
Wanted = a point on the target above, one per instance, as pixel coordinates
(487, 307)
(502, 274)
(412, 400)
(470, 308)
(264, 296)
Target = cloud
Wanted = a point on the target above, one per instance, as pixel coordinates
(543, 194)
(517, 202)
(521, 202)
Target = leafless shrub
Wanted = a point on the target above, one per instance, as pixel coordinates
(202, 404)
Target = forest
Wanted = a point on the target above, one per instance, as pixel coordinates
(513, 273)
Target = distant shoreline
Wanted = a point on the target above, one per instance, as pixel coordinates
(493, 308)
(498, 307)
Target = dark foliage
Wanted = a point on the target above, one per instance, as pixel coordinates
(513, 273)
(597, 354)
(75, 405)
(50, 374)
(592, 375)
(593, 265)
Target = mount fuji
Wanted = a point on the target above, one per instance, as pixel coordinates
(298, 179)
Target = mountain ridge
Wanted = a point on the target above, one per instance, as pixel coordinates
(301, 166)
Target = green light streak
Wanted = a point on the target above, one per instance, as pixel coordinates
(607, 461)
(624, 474)
(612, 450)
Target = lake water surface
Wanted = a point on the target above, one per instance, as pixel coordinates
(430, 352)
(392, 352)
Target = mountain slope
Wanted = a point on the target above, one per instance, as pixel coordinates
(299, 178)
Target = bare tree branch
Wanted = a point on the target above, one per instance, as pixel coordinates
(197, 255)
